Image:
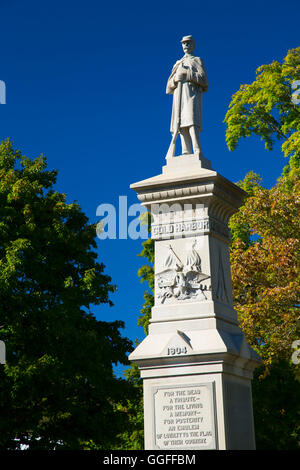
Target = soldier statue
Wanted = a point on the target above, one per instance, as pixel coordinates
(187, 82)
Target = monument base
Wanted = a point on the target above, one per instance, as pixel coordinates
(186, 163)
(201, 410)
(195, 362)
(197, 386)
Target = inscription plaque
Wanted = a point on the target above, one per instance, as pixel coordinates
(186, 228)
(184, 417)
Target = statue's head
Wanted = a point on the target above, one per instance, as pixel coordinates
(188, 44)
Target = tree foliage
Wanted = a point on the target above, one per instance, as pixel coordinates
(57, 388)
(133, 436)
(276, 407)
(265, 108)
(265, 268)
(146, 274)
(265, 250)
(265, 231)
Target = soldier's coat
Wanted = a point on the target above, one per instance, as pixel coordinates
(192, 88)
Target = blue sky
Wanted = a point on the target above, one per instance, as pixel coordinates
(86, 84)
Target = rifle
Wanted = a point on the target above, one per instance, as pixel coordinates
(171, 150)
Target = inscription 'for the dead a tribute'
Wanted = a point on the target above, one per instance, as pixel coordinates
(184, 417)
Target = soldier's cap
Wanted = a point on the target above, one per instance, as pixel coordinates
(187, 38)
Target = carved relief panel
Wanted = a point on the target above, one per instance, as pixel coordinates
(181, 277)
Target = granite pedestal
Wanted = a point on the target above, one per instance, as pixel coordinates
(195, 363)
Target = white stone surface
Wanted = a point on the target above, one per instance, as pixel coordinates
(184, 164)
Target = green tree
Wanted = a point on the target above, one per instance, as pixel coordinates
(265, 232)
(265, 268)
(133, 437)
(57, 388)
(265, 108)
(276, 407)
(265, 275)
(146, 274)
(265, 249)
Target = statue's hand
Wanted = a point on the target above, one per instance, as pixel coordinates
(180, 75)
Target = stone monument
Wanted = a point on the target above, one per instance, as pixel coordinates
(195, 363)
